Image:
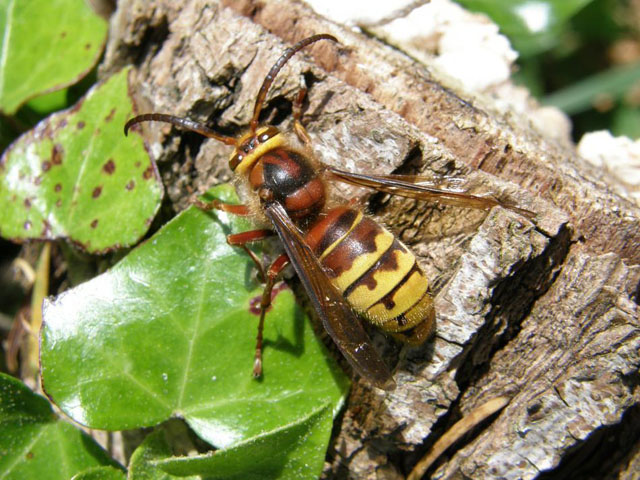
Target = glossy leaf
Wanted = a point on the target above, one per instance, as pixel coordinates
(34, 444)
(45, 45)
(533, 26)
(168, 332)
(76, 176)
(144, 461)
(295, 451)
(101, 473)
(50, 102)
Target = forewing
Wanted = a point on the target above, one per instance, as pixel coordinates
(337, 317)
(422, 188)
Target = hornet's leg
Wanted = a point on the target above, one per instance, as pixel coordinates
(238, 239)
(240, 210)
(301, 132)
(272, 274)
(241, 240)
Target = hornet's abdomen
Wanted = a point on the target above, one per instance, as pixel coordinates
(375, 272)
(291, 180)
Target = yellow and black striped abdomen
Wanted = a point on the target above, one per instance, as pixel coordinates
(377, 274)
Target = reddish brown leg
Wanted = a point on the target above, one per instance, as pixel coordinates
(301, 132)
(241, 240)
(272, 274)
(240, 210)
(238, 239)
(250, 236)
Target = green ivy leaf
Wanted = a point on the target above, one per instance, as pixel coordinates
(34, 444)
(168, 332)
(76, 176)
(295, 451)
(101, 473)
(145, 458)
(45, 45)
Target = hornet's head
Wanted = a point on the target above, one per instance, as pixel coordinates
(252, 146)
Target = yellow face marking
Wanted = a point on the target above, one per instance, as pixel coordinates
(362, 298)
(330, 248)
(406, 296)
(253, 156)
(364, 262)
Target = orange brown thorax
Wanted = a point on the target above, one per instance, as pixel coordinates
(279, 174)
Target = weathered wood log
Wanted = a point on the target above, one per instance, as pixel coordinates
(543, 312)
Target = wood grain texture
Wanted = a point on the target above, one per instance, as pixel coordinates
(543, 312)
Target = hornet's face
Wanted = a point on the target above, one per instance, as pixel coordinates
(252, 146)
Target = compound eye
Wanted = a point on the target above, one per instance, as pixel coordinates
(267, 134)
(236, 160)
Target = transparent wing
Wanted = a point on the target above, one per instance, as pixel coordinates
(422, 188)
(338, 319)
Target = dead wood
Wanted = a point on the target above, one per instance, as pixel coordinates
(542, 312)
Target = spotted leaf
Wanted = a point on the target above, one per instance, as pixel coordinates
(76, 176)
(45, 45)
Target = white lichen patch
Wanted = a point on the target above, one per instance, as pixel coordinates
(465, 46)
(357, 12)
(619, 156)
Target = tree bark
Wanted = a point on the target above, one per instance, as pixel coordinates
(544, 312)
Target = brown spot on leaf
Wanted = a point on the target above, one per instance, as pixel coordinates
(46, 166)
(109, 167)
(137, 164)
(97, 191)
(29, 455)
(131, 185)
(76, 107)
(62, 123)
(59, 203)
(58, 187)
(94, 223)
(148, 173)
(27, 203)
(80, 125)
(27, 225)
(63, 34)
(109, 117)
(37, 180)
(87, 46)
(56, 154)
